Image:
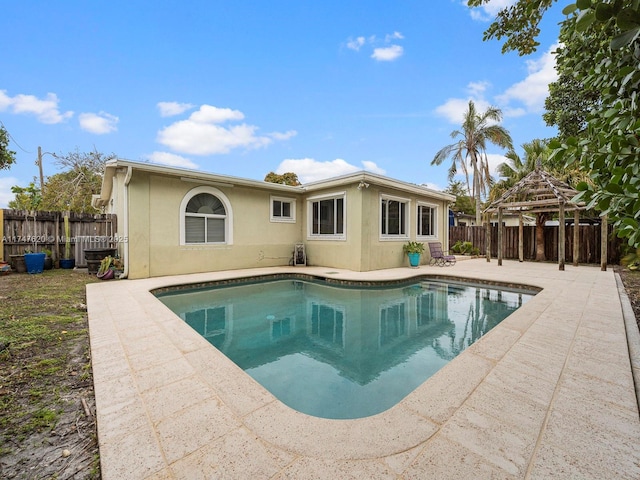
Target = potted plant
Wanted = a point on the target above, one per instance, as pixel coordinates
(413, 251)
(105, 272)
(67, 261)
(48, 261)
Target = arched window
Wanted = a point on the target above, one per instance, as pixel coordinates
(206, 217)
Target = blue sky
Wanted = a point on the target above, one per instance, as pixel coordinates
(242, 88)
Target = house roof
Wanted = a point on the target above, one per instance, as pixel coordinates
(197, 176)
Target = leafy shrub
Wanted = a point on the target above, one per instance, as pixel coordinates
(463, 248)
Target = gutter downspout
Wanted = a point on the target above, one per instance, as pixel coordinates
(127, 179)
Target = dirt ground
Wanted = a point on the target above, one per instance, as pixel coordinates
(631, 281)
(47, 404)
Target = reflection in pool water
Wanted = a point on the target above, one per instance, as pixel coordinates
(343, 352)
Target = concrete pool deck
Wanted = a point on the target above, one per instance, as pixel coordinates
(548, 393)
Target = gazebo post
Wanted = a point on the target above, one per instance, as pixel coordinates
(500, 236)
(520, 239)
(561, 237)
(488, 237)
(576, 237)
(603, 242)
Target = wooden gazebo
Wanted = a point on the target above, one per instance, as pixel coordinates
(541, 192)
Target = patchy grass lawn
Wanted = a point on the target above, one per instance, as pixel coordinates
(47, 404)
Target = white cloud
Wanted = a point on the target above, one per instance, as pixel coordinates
(169, 109)
(310, 170)
(387, 54)
(522, 98)
(6, 195)
(534, 89)
(211, 114)
(495, 159)
(372, 167)
(383, 50)
(477, 89)
(98, 123)
(283, 136)
(170, 159)
(454, 108)
(433, 186)
(200, 134)
(394, 36)
(45, 110)
(489, 10)
(355, 44)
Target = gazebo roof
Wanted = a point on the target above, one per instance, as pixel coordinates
(538, 192)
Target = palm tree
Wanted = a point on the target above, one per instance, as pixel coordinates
(477, 130)
(516, 168)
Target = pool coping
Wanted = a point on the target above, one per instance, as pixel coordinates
(156, 379)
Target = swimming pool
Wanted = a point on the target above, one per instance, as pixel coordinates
(342, 351)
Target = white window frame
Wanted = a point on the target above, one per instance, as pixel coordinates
(338, 338)
(228, 323)
(279, 218)
(383, 309)
(325, 236)
(407, 216)
(228, 218)
(436, 211)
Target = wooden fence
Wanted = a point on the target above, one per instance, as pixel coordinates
(36, 231)
(589, 243)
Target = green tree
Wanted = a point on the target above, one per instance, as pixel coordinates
(7, 157)
(609, 147)
(464, 203)
(72, 189)
(568, 104)
(477, 130)
(288, 178)
(27, 198)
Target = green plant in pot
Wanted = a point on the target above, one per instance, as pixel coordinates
(105, 272)
(48, 261)
(413, 250)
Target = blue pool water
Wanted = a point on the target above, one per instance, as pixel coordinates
(342, 352)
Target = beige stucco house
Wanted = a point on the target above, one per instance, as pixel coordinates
(175, 221)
